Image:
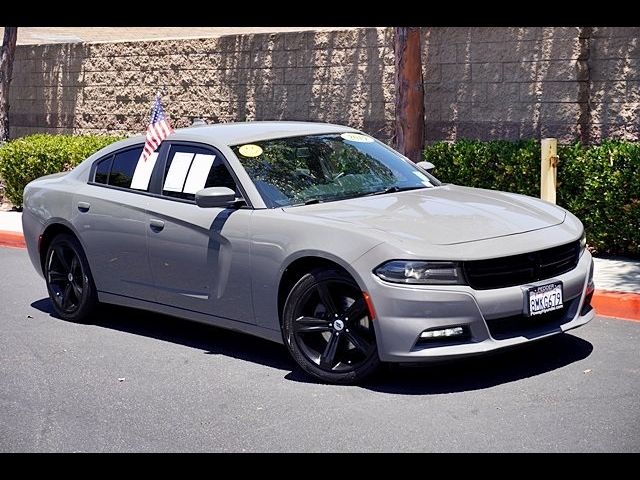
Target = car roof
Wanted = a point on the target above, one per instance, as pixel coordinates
(226, 134)
(244, 132)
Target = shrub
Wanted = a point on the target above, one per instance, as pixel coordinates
(600, 184)
(27, 158)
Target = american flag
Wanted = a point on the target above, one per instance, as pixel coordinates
(157, 130)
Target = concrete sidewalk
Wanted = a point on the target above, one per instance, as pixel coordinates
(11, 229)
(617, 280)
(622, 275)
(11, 221)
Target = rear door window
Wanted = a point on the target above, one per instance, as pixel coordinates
(126, 169)
(124, 166)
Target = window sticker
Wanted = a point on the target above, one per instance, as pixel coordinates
(198, 173)
(357, 137)
(143, 171)
(250, 150)
(178, 172)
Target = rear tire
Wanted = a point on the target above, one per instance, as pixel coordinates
(328, 329)
(69, 281)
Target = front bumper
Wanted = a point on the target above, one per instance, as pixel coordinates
(492, 319)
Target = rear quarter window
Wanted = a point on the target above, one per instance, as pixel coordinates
(102, 170)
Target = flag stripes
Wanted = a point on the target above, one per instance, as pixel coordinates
(157, 130)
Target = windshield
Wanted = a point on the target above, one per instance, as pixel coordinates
(329, 167)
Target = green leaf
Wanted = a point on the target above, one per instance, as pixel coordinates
(27, 158)
(600, 184)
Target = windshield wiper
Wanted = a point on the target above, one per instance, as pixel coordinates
(311, 201)
(392, 189)
(395, 188)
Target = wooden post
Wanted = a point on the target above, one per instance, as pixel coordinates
(548, 169)
(7, 54)
(409, 93)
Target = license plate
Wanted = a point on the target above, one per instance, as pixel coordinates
(544, 298)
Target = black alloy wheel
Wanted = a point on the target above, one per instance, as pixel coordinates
(68, 278)
(328, 328)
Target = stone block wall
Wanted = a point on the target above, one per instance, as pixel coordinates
(480, 82)
(565, 82)
(335, 76)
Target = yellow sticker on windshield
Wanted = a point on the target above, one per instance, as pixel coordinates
(250, 150)
(357, 137)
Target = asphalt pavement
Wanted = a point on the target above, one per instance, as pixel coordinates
(137, 381)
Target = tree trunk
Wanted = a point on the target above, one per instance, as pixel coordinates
(409, 93)
(6, 70)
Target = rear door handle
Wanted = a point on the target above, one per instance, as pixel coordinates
(156, 225)
(84, 206)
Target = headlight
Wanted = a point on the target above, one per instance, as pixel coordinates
(421, 272)
(583, 242)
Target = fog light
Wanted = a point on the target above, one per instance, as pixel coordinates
(446, 332)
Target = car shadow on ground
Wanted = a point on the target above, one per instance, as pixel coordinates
(461, 375)
(476, 373)
(211, 340)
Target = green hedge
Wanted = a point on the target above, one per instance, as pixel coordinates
(27, 158)
(600, 184)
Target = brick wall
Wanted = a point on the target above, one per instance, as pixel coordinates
(569, 82)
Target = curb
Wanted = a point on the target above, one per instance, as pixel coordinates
(12, 239)
(624, 305)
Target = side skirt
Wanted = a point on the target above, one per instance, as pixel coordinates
(266, 333)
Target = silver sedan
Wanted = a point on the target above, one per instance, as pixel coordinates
(314, 235)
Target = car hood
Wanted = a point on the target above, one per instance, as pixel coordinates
(444, 215)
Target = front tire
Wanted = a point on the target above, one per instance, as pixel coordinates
(328, 329)
(69, 281)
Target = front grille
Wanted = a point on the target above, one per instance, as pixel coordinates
(531, 327)
(521, 269)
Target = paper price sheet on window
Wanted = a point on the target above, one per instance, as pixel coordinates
(188, 172)
(143, 171)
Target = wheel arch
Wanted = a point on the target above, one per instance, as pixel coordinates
(53, 229)
(297, 267)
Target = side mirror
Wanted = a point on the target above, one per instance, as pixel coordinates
(215, 197)
(426, 166)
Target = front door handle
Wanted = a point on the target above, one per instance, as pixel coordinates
(84, 206)
(156, 225)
